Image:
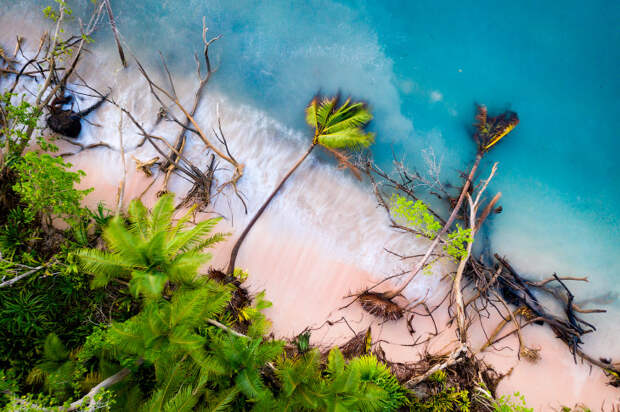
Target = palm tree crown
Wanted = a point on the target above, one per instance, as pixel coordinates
(151, 251)
(339, 127)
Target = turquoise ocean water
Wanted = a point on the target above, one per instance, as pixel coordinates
(422, 65)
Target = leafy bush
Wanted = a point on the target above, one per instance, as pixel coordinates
(46, 187)
(415, 215)
(458, 239)
(36, 307)
(15, 121)
(18, 233)
(511, 404)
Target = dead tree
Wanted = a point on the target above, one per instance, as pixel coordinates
(489, 132)
(479, 284)
(172, 159)
(44, 66)
(121, 53)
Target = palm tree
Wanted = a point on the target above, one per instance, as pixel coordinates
(489, 132)
(151, 251)
(335, 128)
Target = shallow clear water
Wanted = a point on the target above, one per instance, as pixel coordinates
(422, 65)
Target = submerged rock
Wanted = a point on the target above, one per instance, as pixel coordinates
(65, 122)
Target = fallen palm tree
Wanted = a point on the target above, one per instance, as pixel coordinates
(487, 135)
(481, 282)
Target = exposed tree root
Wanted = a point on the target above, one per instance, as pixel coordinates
(378, 305)
(358, 345)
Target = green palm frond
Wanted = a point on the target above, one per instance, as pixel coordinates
(324, 110)
(311, 113)
(210, 367)
(182, 401)
(347, 138)
(151, 249)
(371, 398)
(300, 380)
(251, 384)
(182, 221)
(339, 127)
(154, 250)
(358, 118)
(128, 335)
(192, 238)
(176, 378)
(161, 215)
(105, 266)
(188, 341)
(211, 240)
(391, 394)
(120, 240)
(222, 402)
(345, 110)
(194, 307)
(155, 402)
(184, 268)
(268, 351)
(335, 362)
(138, 217)
(147, 284)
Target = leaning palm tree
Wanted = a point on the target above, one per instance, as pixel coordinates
(489, 131)
(336, 127)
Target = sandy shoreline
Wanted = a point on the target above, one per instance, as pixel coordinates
(308, 285)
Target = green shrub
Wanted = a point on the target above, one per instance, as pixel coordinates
(46, 187)
(417, 216)
(515, 403)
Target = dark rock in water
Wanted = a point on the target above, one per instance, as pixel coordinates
(65, 122)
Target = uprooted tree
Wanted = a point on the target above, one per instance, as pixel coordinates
(481, 282)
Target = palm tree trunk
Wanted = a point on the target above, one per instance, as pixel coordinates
(421, 263)
(235, 249)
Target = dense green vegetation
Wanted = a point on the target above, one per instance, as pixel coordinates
(175, 337)
(73, 314)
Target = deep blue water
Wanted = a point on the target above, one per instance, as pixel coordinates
(422, 65)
